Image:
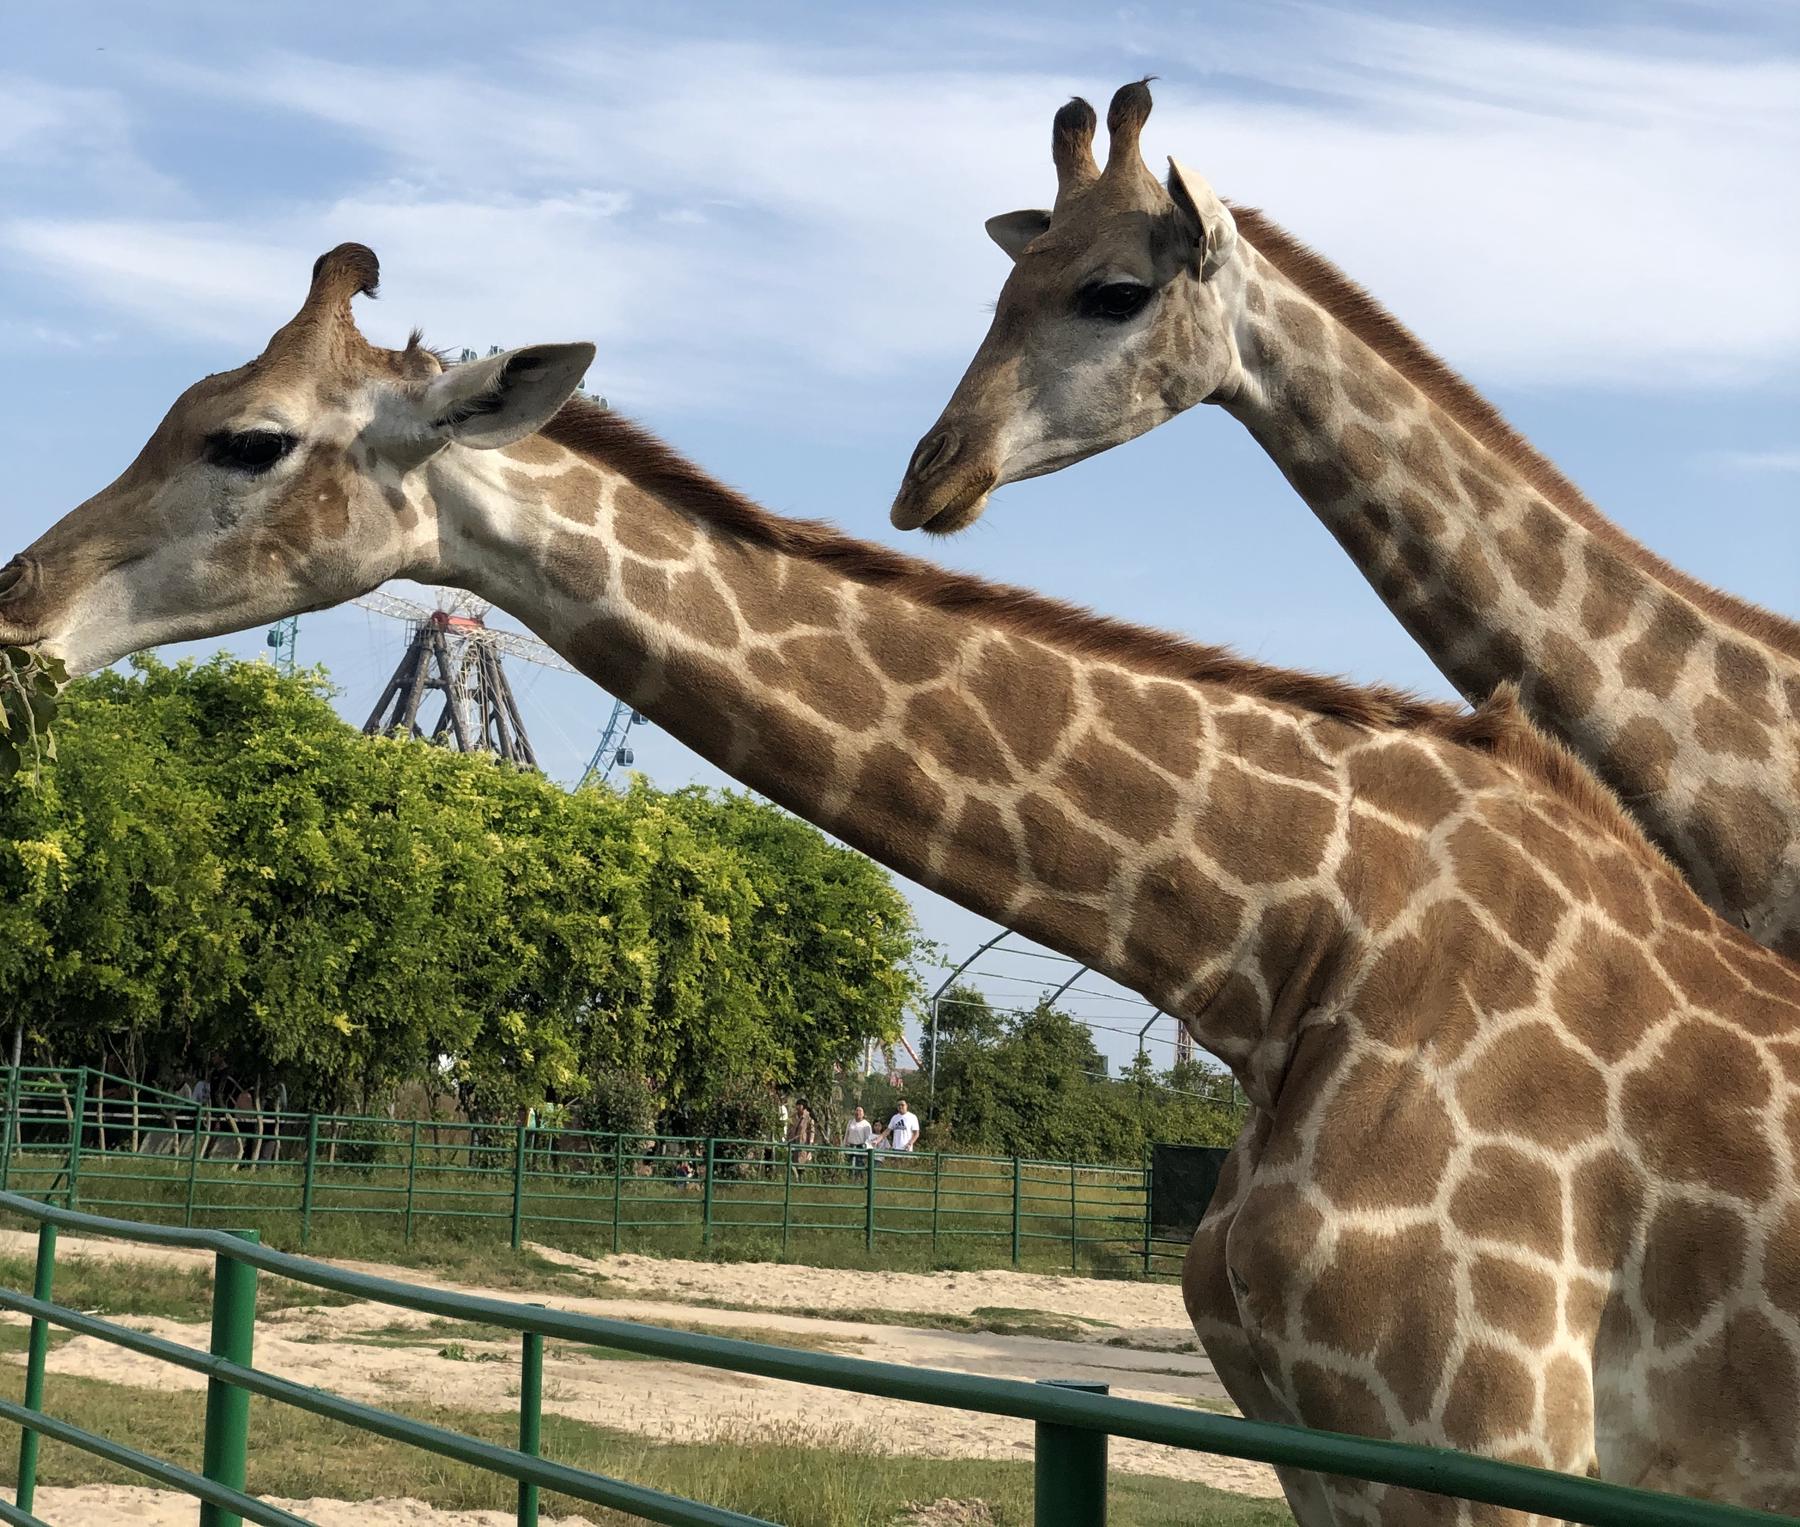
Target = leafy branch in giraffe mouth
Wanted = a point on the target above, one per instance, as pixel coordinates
(29, 684)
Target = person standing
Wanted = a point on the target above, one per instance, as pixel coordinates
(902, 1130)
(802, 1132)
(857, 1138)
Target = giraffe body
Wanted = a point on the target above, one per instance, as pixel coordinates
(1520, 1175)
(1132, 302)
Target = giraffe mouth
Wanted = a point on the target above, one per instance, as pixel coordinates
(19, 580)
(957, 515)
(953, 507)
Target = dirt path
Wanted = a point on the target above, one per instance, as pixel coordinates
(334, 1348)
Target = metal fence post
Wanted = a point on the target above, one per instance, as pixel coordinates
(1018, 1193)
(412, 1167)
(706, 1197)
(1069, 1469)
(518, 1205)
(531, 1418)
(869, 1203)
(12, 1126)
(937, 1177)
(1074, 1228)
(39, 1348)
(193, 1172)
(228, 1407)
(1146, 1186)
(618, 1183)
(81, 1083)
(787, 1196)
(306, 1179)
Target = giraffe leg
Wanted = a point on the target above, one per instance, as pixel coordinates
(1212, 1307)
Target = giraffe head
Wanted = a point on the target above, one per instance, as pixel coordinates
(1115, 318)
(285, 485)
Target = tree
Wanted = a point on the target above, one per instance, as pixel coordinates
(219, 868)
(1033, 1083)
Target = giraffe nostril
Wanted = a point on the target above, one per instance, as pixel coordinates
(12, 577)
(934, 452)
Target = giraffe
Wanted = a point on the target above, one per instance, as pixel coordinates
(1481, 1201)
(1130, 302)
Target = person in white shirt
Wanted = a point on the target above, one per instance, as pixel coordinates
(857, 1138)
(902, 1129)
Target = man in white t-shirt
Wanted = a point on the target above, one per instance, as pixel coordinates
(902, 1129)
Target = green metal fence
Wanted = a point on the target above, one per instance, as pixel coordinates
(1072, 1423)
(87, 1139)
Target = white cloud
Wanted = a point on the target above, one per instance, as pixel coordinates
(1757, 461)
(58, 140)
(1556, 208)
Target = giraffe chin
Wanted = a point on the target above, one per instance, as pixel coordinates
(959, 514)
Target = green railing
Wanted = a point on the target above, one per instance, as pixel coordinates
(87, 1139)
(1072, 1422)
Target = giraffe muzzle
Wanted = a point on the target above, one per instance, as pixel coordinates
(943, 489)
(20, 581)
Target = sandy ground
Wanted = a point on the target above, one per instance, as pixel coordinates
(668, 1400)
(1148, 1310)
(138, 1506)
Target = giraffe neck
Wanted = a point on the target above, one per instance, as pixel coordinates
(1685, 702)
(1182, 837)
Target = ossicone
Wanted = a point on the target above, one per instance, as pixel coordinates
(350, 270)
(1125, 119)
(1072, 147)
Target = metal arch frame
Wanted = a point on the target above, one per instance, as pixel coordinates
(944, 986)
(1082, 971)
(950, 980)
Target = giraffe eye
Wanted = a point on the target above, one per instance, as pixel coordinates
(251, 451)
(1113, 301)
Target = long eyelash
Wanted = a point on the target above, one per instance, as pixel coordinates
(220, 446)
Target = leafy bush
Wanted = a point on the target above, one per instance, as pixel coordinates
(218, 873)
(619, 1103)
(1033, 1084)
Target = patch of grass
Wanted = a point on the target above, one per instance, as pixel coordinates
(996, 1320)
(1002, 1320)
(804, 1477)
(456, 1352)
(125, 1287)
(15, 1336)
(1142, 1343)
(400, 1334)
(475, 1264)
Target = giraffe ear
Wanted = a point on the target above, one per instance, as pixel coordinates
(1204, 219)
(1012, 231)
(493, 402)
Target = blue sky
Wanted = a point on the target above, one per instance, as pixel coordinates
(769, 220)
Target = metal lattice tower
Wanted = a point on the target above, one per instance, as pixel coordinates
(611, 751)
(455, 654)
(284, 637)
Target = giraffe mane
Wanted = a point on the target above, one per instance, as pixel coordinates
(1383, 333)
(1498, 728)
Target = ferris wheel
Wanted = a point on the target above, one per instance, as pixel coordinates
(455, 661)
